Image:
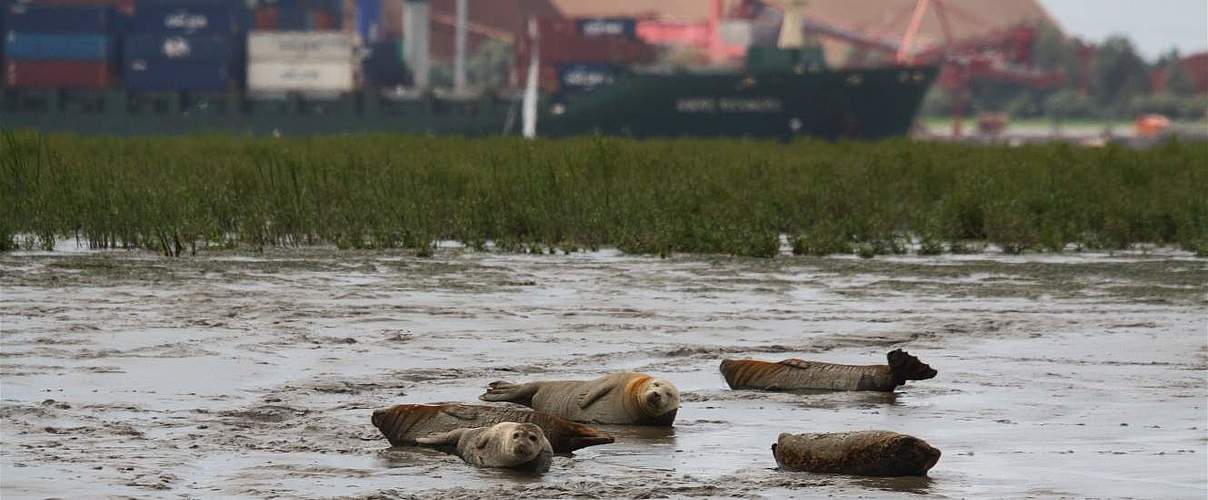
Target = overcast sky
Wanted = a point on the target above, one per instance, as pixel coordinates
(1154, 25)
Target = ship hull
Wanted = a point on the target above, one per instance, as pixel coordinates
(855, 104)
(852, 104)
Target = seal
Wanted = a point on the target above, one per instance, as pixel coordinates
(795, 374)
(626, 398)
(864, 453)
(402, 424)
(509, 445)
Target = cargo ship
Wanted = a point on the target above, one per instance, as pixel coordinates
(137, 67)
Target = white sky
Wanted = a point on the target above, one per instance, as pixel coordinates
(1154, 25)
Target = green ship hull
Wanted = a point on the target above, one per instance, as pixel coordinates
(846, 104)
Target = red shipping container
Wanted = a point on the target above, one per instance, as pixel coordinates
(57, 74)
(266, 18)
(322, 21)
(123, 6)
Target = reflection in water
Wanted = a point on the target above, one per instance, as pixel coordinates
(408, 456)
(910, 484)
(845, 399)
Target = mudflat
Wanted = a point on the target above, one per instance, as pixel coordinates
(123, 373)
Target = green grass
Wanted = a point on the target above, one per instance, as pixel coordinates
(182, 195)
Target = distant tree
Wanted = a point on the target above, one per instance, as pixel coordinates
(1178, 82)
(1118, 74)
(1054, 52)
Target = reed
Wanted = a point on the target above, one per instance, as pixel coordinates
(180, 195)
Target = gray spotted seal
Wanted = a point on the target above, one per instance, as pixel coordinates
(865, 453)
(795, 374)
(402, 424)
(626, 398)
(508, 445)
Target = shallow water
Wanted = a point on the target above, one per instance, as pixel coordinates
(255, 374)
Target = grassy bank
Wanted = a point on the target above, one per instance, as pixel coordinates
(179, 195)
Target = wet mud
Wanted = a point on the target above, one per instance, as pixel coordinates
(256, 374)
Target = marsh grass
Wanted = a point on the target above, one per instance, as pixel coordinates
(183, 195)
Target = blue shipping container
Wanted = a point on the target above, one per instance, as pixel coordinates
(608, 26)
(56, 47)
(193, 48)
(172, 17)
(162, 75)
(30, 19)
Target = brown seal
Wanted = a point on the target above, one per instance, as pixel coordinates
(402, 424)
(794, 374)
(509, 445)
(865, 453)
(626, 398)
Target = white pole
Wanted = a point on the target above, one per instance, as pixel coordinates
(459, 56)
(529, 113)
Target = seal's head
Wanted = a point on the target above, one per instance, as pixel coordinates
(658, 396)
(906, 367)
(522, 441)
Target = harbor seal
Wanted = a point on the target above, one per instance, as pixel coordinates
(509, 445)
(402, 424)
(794, 374)
(626, 398)
(864, 453)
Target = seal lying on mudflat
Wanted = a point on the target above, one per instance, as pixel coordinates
(509, 444)
(626, 398)
(402, 424)
(865, 453)
(793, 374)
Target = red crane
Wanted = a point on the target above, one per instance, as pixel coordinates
(1003, 55)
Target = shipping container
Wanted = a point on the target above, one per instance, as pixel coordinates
(266, 18)
(300, 47)
(169, 75)
(87, 75)
(193, 48)
(123, 7)
(191, 17)
(575, 49)
(320, 77)
(76, 20)
(626, 27)
(57, 47)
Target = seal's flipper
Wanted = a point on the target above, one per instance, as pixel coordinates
(906, 367)
(483, 440)
(460, 412)
(442, 438)
(589, 397)
(509, 392)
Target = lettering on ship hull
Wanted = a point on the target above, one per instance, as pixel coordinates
(729, 105)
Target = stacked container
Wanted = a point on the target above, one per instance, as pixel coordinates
(580, 54)
(183, 46)
(316, 64)
(58, 47)
(297, 15)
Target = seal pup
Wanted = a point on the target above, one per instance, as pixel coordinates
(794, 374)
(626, 398)
(864, 453)
(402, 424)
(508, 445)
